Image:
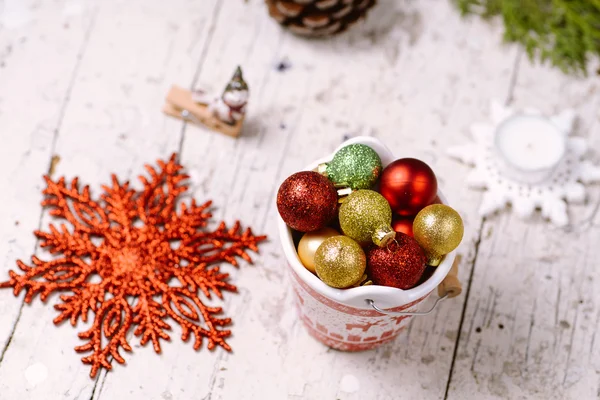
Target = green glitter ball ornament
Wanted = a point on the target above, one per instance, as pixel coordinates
(355, 166)
(366, 217)
(340, 262)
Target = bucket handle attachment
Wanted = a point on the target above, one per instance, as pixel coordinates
(449, 288)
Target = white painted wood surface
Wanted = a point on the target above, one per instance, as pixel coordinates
(85, 80)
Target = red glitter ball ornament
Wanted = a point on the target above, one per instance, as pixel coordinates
(403, 225)
(408, 185)
(307, 201)
(400, 265)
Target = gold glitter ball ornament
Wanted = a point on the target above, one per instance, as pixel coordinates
(439, 230)
(309, 244)
(340, 262)
(366, 217)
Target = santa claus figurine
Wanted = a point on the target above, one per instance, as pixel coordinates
(230, 107)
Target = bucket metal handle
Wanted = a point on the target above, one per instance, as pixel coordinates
(449, 288)
(400, 313)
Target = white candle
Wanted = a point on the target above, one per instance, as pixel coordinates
(531, 147)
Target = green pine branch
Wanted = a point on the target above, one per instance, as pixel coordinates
(565, 33)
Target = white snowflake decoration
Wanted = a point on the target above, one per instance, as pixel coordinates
(566, 181)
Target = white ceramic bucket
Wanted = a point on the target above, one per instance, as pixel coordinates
(345, 319)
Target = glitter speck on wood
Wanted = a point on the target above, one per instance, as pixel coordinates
(53, 163)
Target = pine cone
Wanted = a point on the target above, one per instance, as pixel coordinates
(318, 17)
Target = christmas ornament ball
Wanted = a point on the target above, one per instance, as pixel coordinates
(439, 229)
(403, 225)
(400, 266)
(408, 185)
(340, 262)
(366, 217)
(436, 200)
(310, 242)
(307, 201)
(356, 166)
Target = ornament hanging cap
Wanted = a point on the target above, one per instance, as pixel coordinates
(322, 169)
(383, 235)
(434, 261)
(237, 81)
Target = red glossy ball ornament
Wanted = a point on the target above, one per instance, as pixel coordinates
(400, 265)
(403, 225)
(437, 200)
(307, 201)
(408, 185)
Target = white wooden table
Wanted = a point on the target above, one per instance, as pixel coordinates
(85, 80)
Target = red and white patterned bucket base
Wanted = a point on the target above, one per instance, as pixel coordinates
(343, 327)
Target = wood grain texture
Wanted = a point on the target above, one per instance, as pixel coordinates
(533, 313)
(415, 75)
(111, 124)
(33, 101)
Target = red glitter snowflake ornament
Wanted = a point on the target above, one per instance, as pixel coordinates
(151, 258)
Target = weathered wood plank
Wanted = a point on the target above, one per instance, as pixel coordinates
(213, 160)
(33, 99)
(382, 79)
(113, 124)
(533, 311)
(414, 76)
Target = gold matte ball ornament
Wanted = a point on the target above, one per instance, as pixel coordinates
(439, 230)
(309, 244)
(340, 262)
